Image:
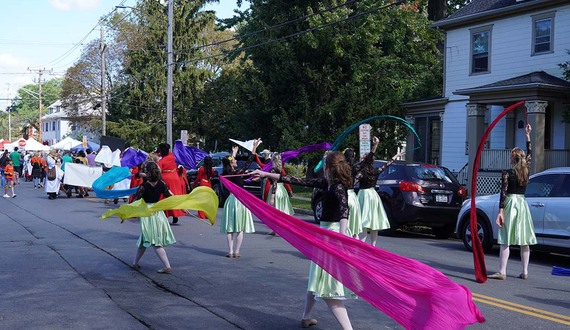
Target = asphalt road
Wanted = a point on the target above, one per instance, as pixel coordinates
(63, 267)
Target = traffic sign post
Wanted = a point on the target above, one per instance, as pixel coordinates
(364, 138)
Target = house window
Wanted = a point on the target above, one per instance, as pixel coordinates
(429, 132)
(542, 33)
(481, 50)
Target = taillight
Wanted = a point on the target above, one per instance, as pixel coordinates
(410, 186)
(462, 192)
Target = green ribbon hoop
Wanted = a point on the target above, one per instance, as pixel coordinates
(340, 139)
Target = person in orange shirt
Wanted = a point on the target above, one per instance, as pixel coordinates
(9, 173)
(37, 170)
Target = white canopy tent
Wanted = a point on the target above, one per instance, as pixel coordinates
(66, 144)
(34, 145)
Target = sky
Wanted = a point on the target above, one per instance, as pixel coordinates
(49, 34)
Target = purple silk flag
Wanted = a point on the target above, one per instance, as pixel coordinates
(292, 154)
(132, 157)
(187, 156)
(413, 294)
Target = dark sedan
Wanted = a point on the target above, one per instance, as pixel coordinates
(416, 194)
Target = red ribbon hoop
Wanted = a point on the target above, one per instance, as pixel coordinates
(478, 255)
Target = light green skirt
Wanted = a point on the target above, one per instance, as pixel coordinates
(373, 215)
(354, 223)
(236, 217)
(518, 228)
(155, 231)
(281, 199)
(321, 283)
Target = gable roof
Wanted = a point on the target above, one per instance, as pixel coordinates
(486, 10)
(537, 79)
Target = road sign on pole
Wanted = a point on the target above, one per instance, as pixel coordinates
(364, 138)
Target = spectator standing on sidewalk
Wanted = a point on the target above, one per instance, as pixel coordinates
(15, 156)
(9, 173)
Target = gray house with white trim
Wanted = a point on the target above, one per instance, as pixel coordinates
(496, 53)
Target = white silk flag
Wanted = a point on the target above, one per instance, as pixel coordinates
(248, 145)
(81, 175)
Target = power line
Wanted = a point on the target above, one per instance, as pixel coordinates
(67, 53)
(217, 43)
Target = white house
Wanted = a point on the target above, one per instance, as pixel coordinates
(499, 52)
(56, 124)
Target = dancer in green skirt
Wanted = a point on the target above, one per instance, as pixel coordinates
(514, 218)
(236, 218)
(155, 230)
(322, 285)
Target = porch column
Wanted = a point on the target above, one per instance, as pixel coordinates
(475, 129)
(536, 111)
(510, 129)
(410, 142)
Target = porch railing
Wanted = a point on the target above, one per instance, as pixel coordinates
(499, 159)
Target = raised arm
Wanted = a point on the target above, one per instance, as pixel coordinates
(528, 145)
(390, 162)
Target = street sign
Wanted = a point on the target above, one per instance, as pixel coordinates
(364, 132)
(364, 139)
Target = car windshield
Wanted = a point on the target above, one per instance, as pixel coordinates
(432, 173)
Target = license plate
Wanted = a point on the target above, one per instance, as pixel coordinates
(441, 198)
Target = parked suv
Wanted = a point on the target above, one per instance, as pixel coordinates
(548, 198)
(415, 194)
(254, 187)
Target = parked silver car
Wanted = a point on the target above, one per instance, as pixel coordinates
(548, 197)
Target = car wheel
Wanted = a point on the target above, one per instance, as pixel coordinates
(443, 232)
(318, 210)
(483, 231)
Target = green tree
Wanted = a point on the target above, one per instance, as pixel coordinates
(25, 108)
(142, 93)
(315, 76)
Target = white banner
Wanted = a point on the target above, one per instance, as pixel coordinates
(81, 175)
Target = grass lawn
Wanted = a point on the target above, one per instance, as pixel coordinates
(300, 203)
(300, 191)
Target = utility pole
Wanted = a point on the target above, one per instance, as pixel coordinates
(9, 116)
(103, 90)
(9, 110)
(40, 73)
(169, 74)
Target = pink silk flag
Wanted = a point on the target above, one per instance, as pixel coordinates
(413, 294)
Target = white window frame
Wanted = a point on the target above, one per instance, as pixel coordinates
(473, 32)
(539, 18)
